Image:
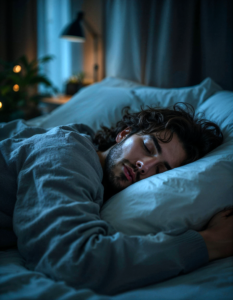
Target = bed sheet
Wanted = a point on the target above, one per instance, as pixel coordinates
(213, 281)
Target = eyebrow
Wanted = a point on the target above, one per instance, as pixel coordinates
(159, 150)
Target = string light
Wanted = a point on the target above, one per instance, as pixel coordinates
(17, 69)
(0, 105)
(16, 88)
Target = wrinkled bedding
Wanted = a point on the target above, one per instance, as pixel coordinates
(55, 198)
(21, 279)
(213, 281)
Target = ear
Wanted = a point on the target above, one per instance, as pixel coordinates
(123, 134)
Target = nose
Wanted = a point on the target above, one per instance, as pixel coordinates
(144, 166)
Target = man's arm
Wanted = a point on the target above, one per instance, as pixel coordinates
(218, 235)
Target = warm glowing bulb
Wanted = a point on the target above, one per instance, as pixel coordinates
(17, 69)
(16, 87)
(0, 105)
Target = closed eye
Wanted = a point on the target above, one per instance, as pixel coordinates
(147, 150)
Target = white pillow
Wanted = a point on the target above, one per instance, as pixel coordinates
(102, 103)
(119, 82)
(219, 108)
(195, 95)
(185, 197)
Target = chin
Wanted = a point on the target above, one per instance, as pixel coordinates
(123, 185)
(115, 183)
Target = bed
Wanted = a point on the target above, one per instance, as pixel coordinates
(171, 202)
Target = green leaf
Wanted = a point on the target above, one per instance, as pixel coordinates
(40, 79)
(34, 63)
(24, 61)
(15, 78)
(5, 90)
(30, 75)
(46, 59)
(21, 103)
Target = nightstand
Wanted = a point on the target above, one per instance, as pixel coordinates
(48, 104)
(58, 100)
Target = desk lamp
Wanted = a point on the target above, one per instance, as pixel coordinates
(74, 32)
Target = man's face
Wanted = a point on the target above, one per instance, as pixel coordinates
(138, 157)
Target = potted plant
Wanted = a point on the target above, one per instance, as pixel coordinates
(74, 83)
(18, 88)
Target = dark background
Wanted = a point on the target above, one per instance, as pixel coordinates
(163, 43)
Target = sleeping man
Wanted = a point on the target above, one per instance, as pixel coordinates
(53, 183)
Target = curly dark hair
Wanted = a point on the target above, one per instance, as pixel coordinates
(198, 136)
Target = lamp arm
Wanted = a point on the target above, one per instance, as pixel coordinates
(96, 66)
(90, 28)
(95, 37)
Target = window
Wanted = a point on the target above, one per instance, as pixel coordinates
(52, 17)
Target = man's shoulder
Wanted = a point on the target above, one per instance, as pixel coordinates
(72, 137)
(79, 128)
(76, 132)
(63, 150)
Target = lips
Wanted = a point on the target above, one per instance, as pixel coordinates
(130, 175)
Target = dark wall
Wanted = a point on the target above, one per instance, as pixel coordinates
(18, 29)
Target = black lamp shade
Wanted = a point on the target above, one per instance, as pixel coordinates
(74, 31)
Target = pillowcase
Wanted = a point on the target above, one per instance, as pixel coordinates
(102, 103)
(195, 95)
(182, 198)
(219, 109)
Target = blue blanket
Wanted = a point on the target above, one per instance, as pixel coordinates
(51, 191)
(213, 281)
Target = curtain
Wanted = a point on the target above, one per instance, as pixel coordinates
(169, 43)
(53, 16)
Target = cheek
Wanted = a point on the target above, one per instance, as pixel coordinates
(130, 149)
(179, 159)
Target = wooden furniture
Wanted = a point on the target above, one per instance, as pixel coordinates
(57, 100)
(48, 104)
